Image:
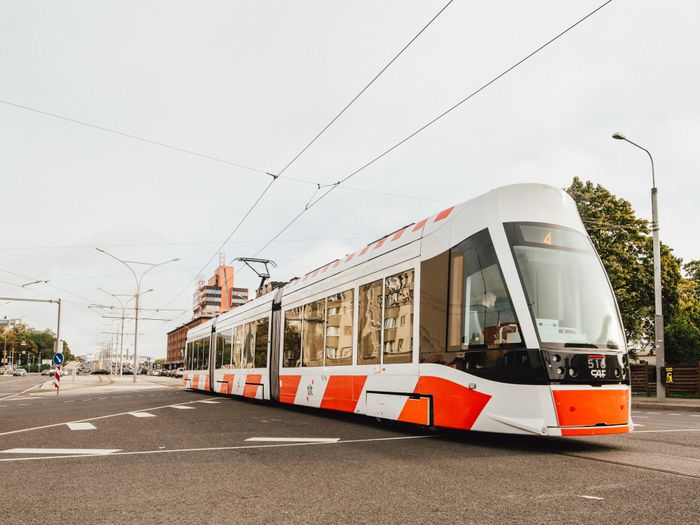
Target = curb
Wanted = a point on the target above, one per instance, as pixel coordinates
(669, 407)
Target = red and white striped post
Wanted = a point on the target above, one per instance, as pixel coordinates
(57, 379)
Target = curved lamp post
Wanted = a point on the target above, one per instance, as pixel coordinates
(138, 278)
(658, 314)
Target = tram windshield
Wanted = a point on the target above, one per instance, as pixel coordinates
(567, 290)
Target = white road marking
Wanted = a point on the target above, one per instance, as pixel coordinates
(590, 497)
(214, 449)
(675, 414)
(141, 414)
(668, 430)
(117, 414)
(210, 402)
(694, 415)
(294, 440)
(637, 425)
(88, 451)
(182, 407)
(641, 417)
(81, 426)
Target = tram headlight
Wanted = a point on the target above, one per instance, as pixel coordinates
(572, 372)
(560, 371)
(556, 358)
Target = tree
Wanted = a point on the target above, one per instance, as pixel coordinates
(624, 244)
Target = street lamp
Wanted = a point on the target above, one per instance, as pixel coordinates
(658, 314)
(123, 306)
(138, 280)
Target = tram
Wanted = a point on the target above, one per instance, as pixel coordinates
(493, 315)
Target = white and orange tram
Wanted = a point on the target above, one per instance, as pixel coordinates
(493, 315)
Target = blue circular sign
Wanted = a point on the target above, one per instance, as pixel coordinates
(57, 359)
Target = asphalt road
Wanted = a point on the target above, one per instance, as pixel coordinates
(198, 464)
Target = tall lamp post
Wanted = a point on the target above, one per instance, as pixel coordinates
(658, 314)
(138, 278)
(123, 306)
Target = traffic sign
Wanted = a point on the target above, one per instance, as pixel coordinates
(57, 358)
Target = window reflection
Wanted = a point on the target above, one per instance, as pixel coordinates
(398, 317)
(370, 323)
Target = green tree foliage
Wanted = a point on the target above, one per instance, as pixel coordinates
(38, 344)
(624, 244)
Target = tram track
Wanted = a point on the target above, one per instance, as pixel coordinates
(638, 466)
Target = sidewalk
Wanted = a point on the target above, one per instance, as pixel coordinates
(88, 384)
(671, 403)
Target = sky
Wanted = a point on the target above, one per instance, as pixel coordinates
(252, 82)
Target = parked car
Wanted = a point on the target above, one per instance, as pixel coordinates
(180, 372)
(155, 373)
(103, 371)
(19, 372)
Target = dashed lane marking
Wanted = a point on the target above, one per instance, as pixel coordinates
(210, 402)
(81, 426)
(675, 414)
(72, 451)
(53, 425)
(590, 497)
(182, 407)
(293, 440)
(141, 414)
(216, 449)
(668, 430)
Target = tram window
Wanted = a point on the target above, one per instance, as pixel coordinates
(480, 311)
(312, 333)
(292, 337)
(188, 356)
(261, 343)
(205, 354)
(370, 322)
(219, 351)
(196, 364)
(226, 351)
(433, 303)
(238, 346)
(248, 360)
(339, 313)
(398, 304)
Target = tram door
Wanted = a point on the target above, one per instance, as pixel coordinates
(275, 345)
(212, 357)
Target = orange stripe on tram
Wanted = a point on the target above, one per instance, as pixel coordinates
(343, 392)
(288, 388)
(195, 381)
(454, 406)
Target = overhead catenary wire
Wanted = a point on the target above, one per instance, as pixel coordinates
(359, 94)
(484, 86)
(277, 176)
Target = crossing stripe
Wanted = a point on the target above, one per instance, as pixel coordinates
(81, 426)
(293, 440)
(88, 451)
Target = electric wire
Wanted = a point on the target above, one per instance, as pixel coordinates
(277, 176)
(309, 205)
(359, 94)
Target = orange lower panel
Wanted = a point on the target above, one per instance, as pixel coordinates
(595, 431)
(251, 390)
(416, 411)
(228, 385)
(195, 382)
(587, 408)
